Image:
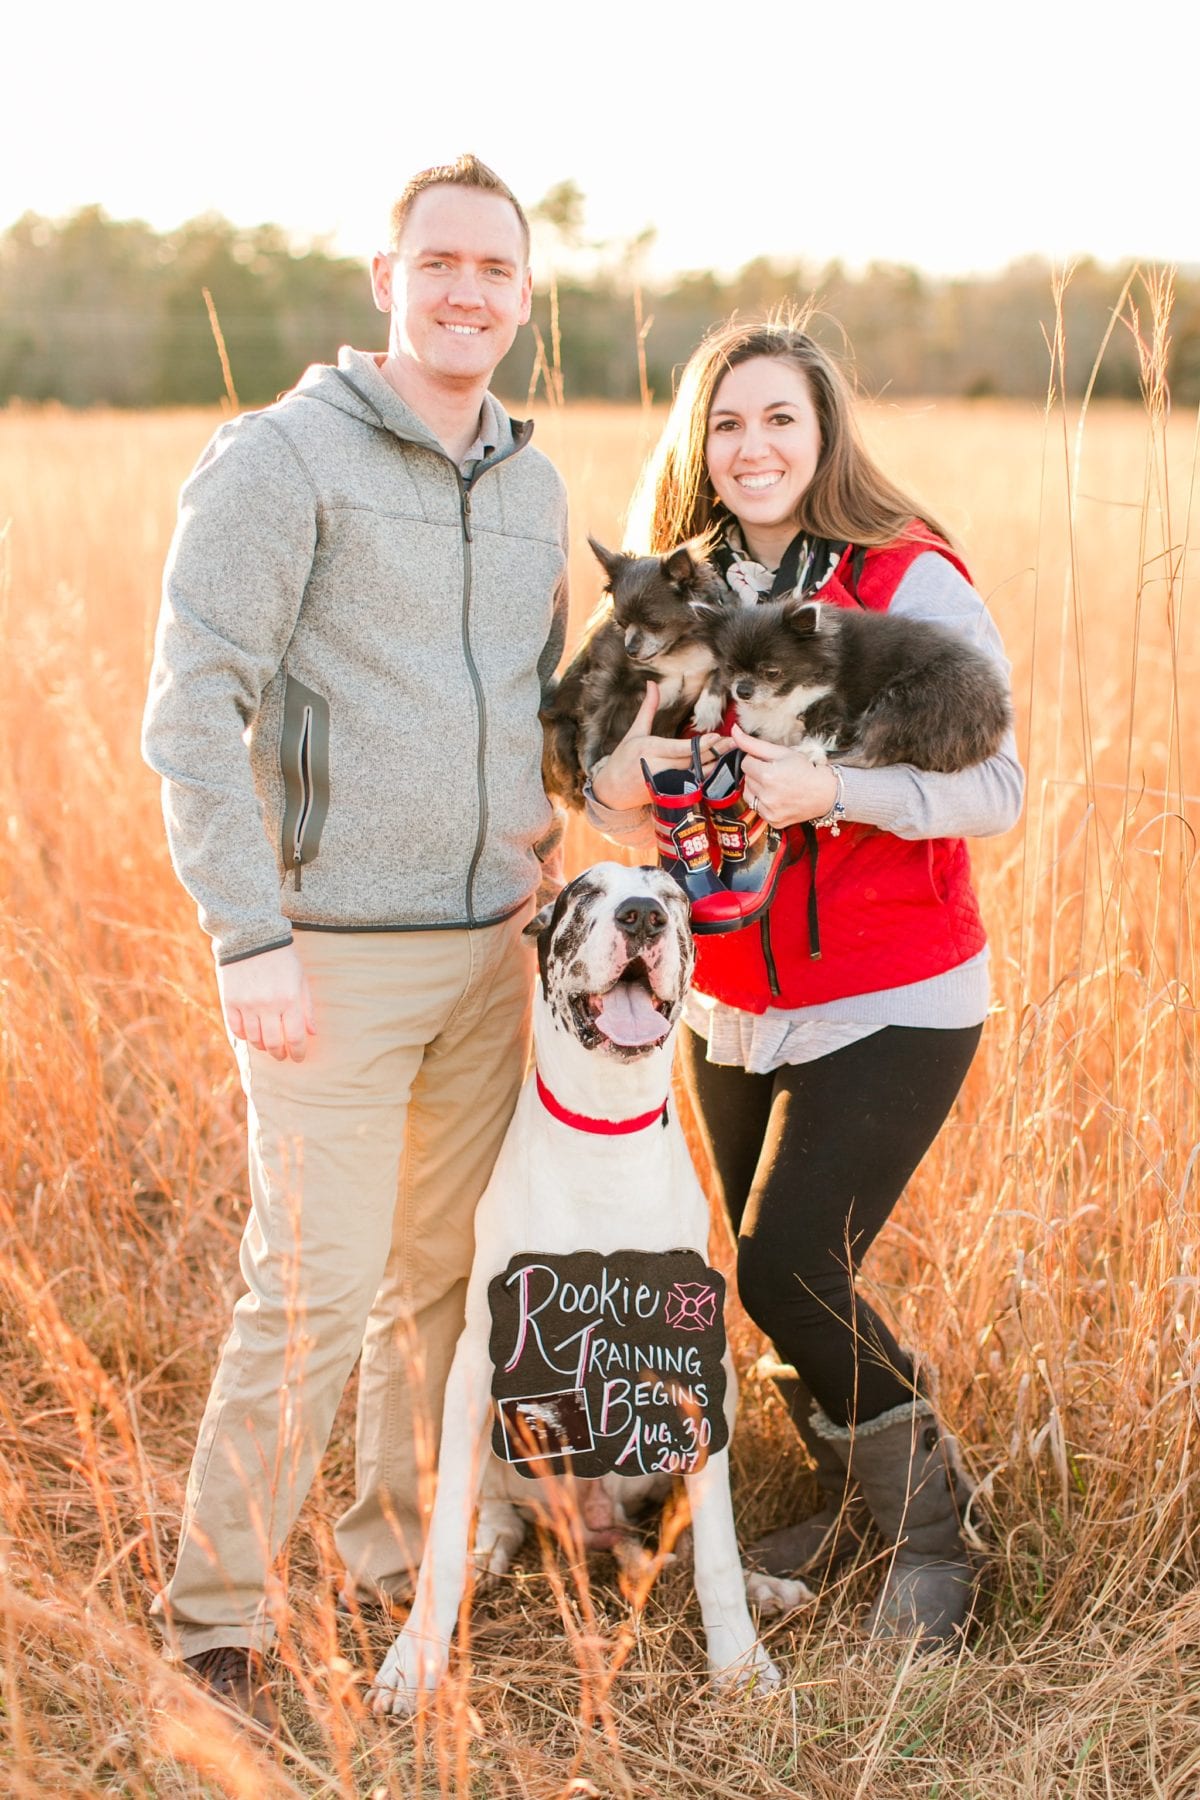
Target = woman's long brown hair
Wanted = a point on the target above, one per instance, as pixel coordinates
(848, 499)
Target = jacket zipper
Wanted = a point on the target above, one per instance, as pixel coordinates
(464, 487)
(464, 492)
(304, 765)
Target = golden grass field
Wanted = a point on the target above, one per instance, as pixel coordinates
(1045, 1261)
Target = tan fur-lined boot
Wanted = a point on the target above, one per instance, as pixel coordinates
(907, 1468)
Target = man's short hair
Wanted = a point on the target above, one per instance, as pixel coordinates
(466, 172)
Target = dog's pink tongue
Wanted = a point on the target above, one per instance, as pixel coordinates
(629, 1016)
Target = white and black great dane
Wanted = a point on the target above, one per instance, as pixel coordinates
(615, 957)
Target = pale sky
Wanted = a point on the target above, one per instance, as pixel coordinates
(941, 133)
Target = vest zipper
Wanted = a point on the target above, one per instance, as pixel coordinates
(304, 765)
(764, 932)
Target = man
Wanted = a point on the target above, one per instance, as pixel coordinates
(365, 594)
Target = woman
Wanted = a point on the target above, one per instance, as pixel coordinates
(820, 1084)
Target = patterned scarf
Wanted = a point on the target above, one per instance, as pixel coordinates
(806, 566)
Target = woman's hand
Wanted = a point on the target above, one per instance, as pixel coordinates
(618, 781)
(784, 787)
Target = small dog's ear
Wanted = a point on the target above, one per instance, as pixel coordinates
(680, 567)
(803, 616)
(610, 560)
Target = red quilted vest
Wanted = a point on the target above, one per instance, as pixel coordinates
(891, 911)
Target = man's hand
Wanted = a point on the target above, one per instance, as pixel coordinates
(784, 787)
(620, 783)
(266, 1000)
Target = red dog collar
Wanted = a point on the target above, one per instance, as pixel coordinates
(601, 1127)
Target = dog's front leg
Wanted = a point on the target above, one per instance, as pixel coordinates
(735, 1656)
(710, 705)
(417, 1661)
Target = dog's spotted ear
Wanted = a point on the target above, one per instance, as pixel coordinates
(540, 928)
(539, 921)
(543, 924)
(611, 561)
(803, 616)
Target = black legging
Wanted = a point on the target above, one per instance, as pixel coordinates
(812, 1158)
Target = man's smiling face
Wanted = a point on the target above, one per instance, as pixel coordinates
(457, 286)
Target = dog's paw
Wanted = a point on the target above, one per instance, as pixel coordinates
(773, 1596)
(817, 747)
(708, 712)
(746, 1669)
(409, 1673)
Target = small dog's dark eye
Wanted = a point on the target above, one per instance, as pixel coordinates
(771, 673)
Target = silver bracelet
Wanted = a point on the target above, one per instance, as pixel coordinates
(837, 812)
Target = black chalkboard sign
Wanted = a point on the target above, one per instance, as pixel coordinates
(608, 1364)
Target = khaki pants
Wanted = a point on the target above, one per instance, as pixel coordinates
(366, 1164)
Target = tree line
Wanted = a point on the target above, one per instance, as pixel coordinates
(97, 310)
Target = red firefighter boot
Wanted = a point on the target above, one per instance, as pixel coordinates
(753, 854)
(681, 830)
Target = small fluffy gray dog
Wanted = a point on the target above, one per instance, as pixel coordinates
(868, 687)
(659, 627)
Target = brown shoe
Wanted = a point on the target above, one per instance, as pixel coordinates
(236, 1679)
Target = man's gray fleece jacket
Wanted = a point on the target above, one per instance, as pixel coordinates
(377, 628)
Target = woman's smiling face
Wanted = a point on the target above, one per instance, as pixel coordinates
(763, 447)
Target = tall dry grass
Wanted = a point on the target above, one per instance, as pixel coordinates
(1044, 1262)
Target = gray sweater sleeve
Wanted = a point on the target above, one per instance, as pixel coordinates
(235, 576)
(914, 803)
(631, 826)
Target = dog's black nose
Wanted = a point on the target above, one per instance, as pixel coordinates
(744, 689)
(641, 920)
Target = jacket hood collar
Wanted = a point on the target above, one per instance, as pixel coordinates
(356, 386)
